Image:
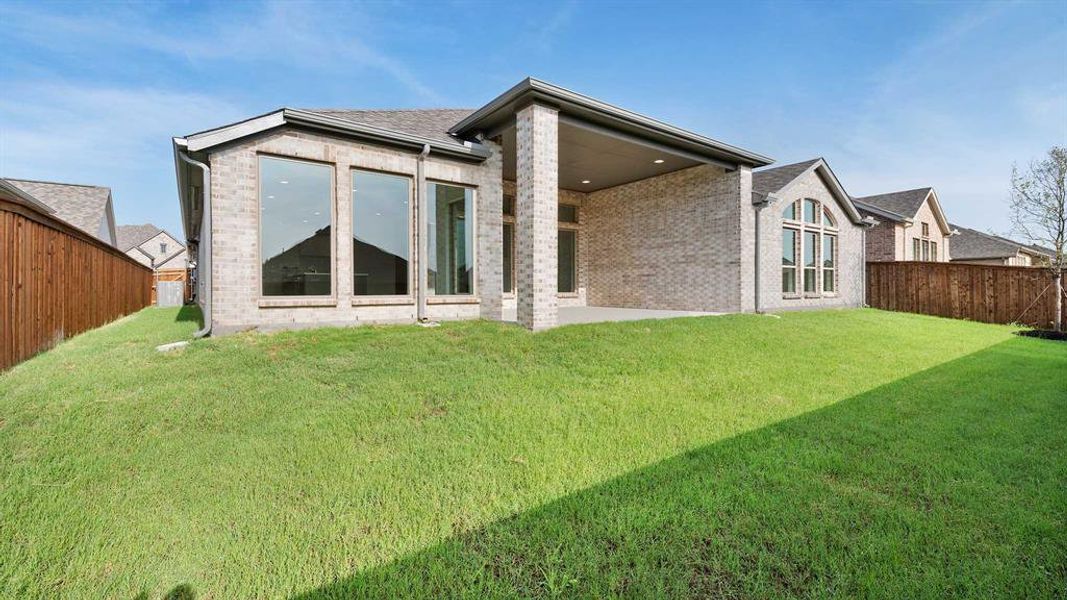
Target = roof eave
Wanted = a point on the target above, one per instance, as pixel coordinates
(469, 151)
(529, 90)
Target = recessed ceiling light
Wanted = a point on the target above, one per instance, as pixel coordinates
(585, 181)
(317, 213)
(658, 161)
(377, 214)
(271, 197)
(283, 181)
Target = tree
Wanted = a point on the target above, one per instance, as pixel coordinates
(1039, 212)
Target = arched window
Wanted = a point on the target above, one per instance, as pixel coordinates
(809, 250)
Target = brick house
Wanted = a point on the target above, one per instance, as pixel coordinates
(538, 202)
(911, 226)
(152, 247)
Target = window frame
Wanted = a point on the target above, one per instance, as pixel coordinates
(408, 298)
(263, 300)
(825, 225)
(471, 297)
(574, 226)
(795, 293)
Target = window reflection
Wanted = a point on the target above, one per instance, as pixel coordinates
(450, 243)
(295, 200)
(381, 233)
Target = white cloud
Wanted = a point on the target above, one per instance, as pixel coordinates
(117, 137)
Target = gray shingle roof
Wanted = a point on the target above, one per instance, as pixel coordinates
(432, 123)
(83, 206)
(771, 180)
(905, 203)
(128, 236)
(971, 244)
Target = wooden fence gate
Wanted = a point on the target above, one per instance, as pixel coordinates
(987, 293)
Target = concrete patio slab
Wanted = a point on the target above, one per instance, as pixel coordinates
(572, 315)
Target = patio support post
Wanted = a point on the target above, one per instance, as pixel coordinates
(536, 218)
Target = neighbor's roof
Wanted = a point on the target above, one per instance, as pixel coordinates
(128, 236)
(83, 206)
(430, 123)
(971, 244)
(13, 193)
(906, 203)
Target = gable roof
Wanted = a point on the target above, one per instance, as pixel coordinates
(906, 202)
(432, 123)
(128, 236)
(769, 182)
(971, 244)
(86, 207)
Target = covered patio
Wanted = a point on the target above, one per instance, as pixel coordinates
(573, 315)
(655, 210)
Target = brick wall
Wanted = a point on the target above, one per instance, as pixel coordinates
(850, 267)
(667, 242)
(236, 302)
(882, 241)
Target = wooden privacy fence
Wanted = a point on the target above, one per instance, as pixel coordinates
(987, 293)
(57, 281)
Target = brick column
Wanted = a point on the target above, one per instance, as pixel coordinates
(536, 219)
(491, 233)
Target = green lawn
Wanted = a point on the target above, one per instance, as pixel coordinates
(825, 454)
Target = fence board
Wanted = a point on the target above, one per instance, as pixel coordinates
(57, 281)
(987, 293)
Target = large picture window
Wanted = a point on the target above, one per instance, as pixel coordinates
(381, 234)
(295, 223)
(813, 240)
(450, 243)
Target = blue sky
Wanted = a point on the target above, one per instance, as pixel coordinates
(893, 95)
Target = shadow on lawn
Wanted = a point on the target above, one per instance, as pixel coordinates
(189, 312)
(947, 482)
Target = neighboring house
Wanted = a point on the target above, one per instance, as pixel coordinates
(975, 247)
(542, 198)
(87, 207)
(912, 226)
(152, 247)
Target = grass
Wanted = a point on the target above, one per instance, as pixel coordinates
(828, 454)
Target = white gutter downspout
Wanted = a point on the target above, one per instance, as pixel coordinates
(422, 228)
(204, 243)
(758, 207)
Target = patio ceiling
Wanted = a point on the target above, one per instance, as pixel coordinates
(601, 157)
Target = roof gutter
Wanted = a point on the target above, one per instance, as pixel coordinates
(203, 263)
(470, 151)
